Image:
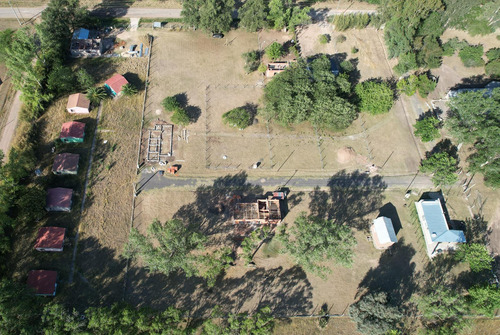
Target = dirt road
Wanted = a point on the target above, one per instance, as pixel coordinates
(7, 133)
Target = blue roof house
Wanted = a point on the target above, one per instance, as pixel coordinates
(438, 236)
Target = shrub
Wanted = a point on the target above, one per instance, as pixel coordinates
(406, 63)
(96, 94)
(375, 98)
(493, 68)
(471, 56)
(427, 129)
(408, 85)
(180, 117)
(493, 54)
(354, 50)
(252, 61)
(129, 90)
(274, 51)
(347, 66)
(238, 117)
(170, 104)
(324, 39)
(341, 39)
(262, 68)
(425, 85)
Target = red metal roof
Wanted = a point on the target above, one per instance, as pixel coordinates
(73, 129)
(43, 281)
(66, 162)
(116, 83)
(59, 197)
(50, 237)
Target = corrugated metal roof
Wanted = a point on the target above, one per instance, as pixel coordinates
(50, 237)
(436, 223)
(72, 129)
(43, 281)
(385, 230)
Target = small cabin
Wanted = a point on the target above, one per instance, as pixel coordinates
(44, 282)
(72, 132)
(383, 234)
(65, 163)
(50, 239)
(78, 104)
(59, 199)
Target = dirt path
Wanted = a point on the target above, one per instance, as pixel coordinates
(7, 133)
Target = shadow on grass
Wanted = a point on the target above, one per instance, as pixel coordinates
(286, 291)
(350, 197)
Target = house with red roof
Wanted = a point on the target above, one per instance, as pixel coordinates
(78, 104)
(44, 282)
(50, 239)
(65, 163)
(115, 84)
(72, 132)
(59, 199)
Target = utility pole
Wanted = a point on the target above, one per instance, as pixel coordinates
(15, 13)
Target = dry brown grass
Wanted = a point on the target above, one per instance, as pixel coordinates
(96, 3)
(307, 326)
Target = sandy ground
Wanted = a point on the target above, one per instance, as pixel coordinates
(9, 128)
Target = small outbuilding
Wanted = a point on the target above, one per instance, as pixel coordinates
(115, 84)
(276, 67)
(44, 282)
(59, 199)
(78, 104)
(66, 163)
(72, 132)
(383, 233)
(50, 239)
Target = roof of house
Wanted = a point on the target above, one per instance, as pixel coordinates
(50, 237)
(487, 89)
(384, 229)
(436, 222)
(66, 162)
(73, 129)
(116, 82)
(43, 281)
(59, 197)
(78, 100)
(81, 34)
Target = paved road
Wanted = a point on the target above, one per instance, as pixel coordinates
(150, 181)
(27, 13)
(8, 131)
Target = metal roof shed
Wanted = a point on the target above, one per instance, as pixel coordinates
(50, 239)
(383, 233)
(44, 282)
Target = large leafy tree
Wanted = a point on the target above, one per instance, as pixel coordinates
(443, 167)
(476, 255)
(375, 98)
(312, 241)
(375, 315)
(474, 118)
(253, 15)
(283, 13)
(427, 129)
(260, 323)
(58, 320)
(484, 299)
(172, 246)
(237, 117)
(213, 16)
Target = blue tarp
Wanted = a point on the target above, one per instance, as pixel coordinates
(81, 34)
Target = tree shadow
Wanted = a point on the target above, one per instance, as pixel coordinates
(390, 211)
(286, 291)
(134, 80)
(251, 109)
(444, 146)
(395, 274)
(193, 112)
(478, 81)
(476, 230)
(350, 197)
(108, 8)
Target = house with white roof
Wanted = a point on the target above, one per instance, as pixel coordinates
(383, 233)
(437, 234)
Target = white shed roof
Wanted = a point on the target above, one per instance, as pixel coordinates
(385, 230)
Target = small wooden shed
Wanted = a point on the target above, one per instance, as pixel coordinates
(59, 199)
(383, 233)
(44, 282)
(66, 163)
(50, 239)
(72, 132)
(115, 84)
(78, 104)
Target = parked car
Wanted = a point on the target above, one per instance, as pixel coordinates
(217, 35)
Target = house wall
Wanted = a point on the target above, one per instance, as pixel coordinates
(49, 249)
(78, 110)
(72, 140)
(65, 172)
(58, 209)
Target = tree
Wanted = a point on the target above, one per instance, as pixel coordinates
(170, 104)
(474, 118)
(277, 14)
(425, 85)
(312, 241)
(493, 54)
(472, 56)
(96, 94)
(61, 80)
(493, 68)
(253, 15)
(252, 60)
(169, 247)
(408, 85)
(333, 113)
(261, 323)
(216, 15)
(375, 98)
(476, 255)
(129, 90)
(375, 315)
(237, 117)
(57, 320)
(484, 299)
(274, 50)
(443, 166)
(31, 204)
(191, 12)
(180, 117)
(442, 308)
(85, 80)
(252, 242)
(6, 37)
(427, 128)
